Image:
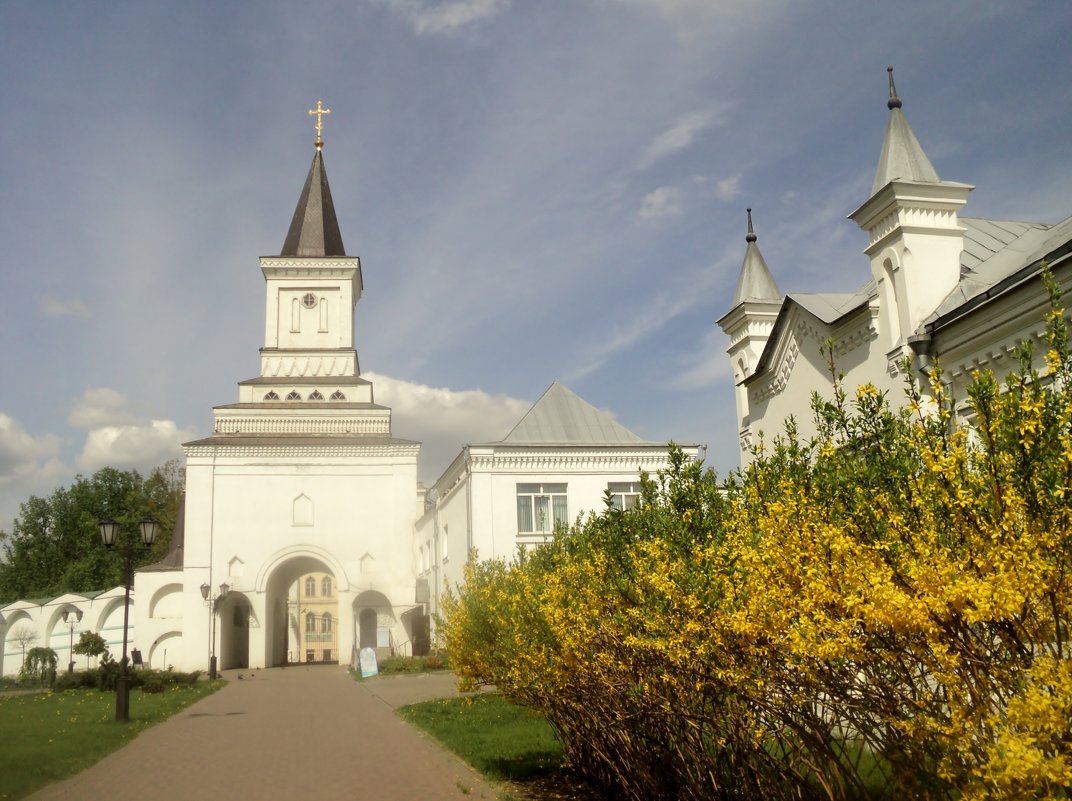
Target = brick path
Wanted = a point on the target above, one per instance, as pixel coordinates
(296, 733)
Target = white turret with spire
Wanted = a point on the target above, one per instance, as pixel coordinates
(749, 322)
(914, 237)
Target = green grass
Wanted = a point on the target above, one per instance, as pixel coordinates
(499, 739)
(50, 736)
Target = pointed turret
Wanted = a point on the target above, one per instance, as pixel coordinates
(314, 230)
(914, 237)
(755, 281)
(902, 156)
(750, 321)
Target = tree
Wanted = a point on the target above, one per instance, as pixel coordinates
(55, 546)
(40, 666)
(24, 636)
(91, 644)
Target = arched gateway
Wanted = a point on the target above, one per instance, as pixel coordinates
(302, 475)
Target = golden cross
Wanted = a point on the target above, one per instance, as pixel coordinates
(319, 112)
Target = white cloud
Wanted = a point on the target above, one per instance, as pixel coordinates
(728, 188)
(705, 366)
(22, 455)
(678, 136)
(662, 202)
(99, 407)
(641, 322)
(63, 307)
(142, 446)
(447, 16)
(444, 420)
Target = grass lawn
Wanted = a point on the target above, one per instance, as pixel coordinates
(50, 736)
(501, 740)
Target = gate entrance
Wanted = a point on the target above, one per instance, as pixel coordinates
(302, 613)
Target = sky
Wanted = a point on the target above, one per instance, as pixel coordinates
(538, 190)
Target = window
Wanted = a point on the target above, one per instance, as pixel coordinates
(624, 494)
(272, 395)
(540, 507)
(337, 395)
(325, 586)
(310, 655)
(293, 396)
(315, 395)
(325, 623)
(310, 623)
(446, 531)
(310, 587)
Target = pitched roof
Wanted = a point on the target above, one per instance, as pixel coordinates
(996, 255)
(561, 417)
(314, 230)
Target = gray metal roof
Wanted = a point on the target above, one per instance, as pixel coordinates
(995, 250)
(755, 281)
(314, 229)
(561, 417)
(902, 156)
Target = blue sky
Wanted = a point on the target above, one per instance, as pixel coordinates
(538, 191)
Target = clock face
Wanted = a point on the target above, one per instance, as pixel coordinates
(309, 300)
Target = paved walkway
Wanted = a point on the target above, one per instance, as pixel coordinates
(294, 733)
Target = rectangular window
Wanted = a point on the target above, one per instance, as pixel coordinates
(540, 507)
(310, 655)
(624, 494)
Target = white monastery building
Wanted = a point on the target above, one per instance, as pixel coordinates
(303, 516)
(962, 290)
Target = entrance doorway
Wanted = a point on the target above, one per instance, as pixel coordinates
(302, 613)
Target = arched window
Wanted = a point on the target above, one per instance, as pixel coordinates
(315, 395)
(325, 623)
(325, 586)
(271, 396)
(293, 396)
(310, 623)
(310, 587)
(337, 395)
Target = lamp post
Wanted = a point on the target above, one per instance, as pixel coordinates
(70, 619)
(109, 530)
(212, 602)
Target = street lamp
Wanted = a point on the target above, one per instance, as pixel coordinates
(70, 619)
(109, 530)
(213, 602)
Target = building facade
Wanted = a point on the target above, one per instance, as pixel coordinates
(304, 535)
(938, 286)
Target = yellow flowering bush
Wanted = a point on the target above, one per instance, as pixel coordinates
(883, 611)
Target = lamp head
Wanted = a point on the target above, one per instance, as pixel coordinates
(149, 527)
(204, 591)
(109, 530)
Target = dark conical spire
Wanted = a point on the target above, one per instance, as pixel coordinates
(756, 281)
(894, 101)
(902, 157)
(314, 230)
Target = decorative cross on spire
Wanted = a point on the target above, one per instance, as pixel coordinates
(319, 112)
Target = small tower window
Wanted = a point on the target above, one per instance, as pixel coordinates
(316, 396)
(337, 395)
(271, 396)
(308, 300)
(293, 396)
